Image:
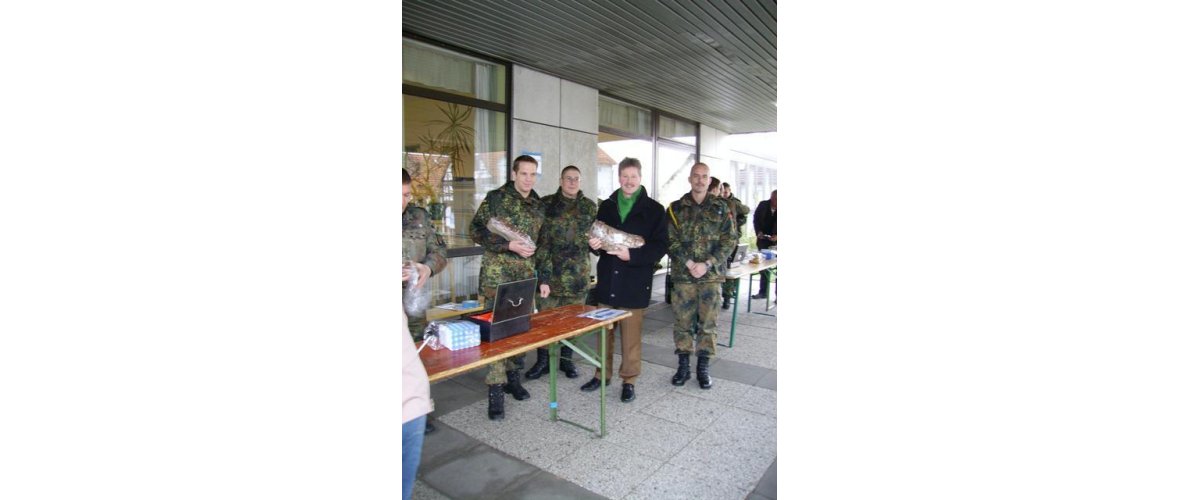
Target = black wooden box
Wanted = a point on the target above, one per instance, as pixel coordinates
(511, 311)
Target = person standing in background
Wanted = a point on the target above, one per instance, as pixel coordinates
(700, 237)
(426, 250)
(416, 404)
(766, 227)
(563, 262)
(625, 275)
(505, 261)
(740, 215)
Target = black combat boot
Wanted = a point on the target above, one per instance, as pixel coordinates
(682, 374)
(725, 302)
(541, 367)
(703, 372)
(567, 365)
(496, 402)
(514, 388)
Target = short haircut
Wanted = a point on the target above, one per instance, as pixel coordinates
(725, 185)
(714, 183)
(570, 167)
(629, 162)
(522, 159)
(406, 177)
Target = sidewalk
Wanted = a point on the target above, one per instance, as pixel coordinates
(671, 442)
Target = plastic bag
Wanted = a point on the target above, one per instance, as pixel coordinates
(415, 300)
(613, 239)
(430, 337)
(509, 233)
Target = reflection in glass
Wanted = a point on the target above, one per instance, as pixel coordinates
(674, 164)
(454, 153)
(611, 150)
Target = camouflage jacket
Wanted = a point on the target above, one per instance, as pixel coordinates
(499, 264)
(740, 213)
(420, 242)
(702, 233)
(563, 251)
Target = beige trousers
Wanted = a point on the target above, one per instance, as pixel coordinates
(630, 330)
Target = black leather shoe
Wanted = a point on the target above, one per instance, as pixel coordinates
(429, 425)
(593, 385)
(628, 393)
(682, 373)
(760, 295)
(541, 367)
(566, 365)
(725, 304)
(496, 402)
(703, 377)
(514, 388)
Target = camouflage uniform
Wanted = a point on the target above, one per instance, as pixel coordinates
(563, 251)
(701, 233)
(421, 244)
(499, 264)
(740, 213)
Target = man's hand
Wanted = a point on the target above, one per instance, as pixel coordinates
(423, 274)
(521, 249)
(624, 254)
(405, 273)
(544, 291)
(595, 243)
(698, 269)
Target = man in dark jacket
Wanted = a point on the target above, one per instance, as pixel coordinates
(624, 275)
(766, 227)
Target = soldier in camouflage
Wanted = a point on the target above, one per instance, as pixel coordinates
(563, 258)
(740, 213)
(422, 246)
(503, 262)
(700, 237)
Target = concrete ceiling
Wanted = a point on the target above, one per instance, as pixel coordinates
(710, 61)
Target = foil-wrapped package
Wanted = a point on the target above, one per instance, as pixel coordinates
(613, 239)
(509, 233)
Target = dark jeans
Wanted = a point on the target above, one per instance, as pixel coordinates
(412, 433)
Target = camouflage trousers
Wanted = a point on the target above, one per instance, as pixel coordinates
(552, 301)
(695, 307)
(417, 326)
(730, 289)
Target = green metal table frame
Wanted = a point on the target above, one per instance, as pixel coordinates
(749, 302)
(599, 362)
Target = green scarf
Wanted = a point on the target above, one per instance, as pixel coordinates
(625, 203)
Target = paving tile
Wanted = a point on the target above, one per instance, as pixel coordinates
(673, 481)
(473, 421)
(768, 381)
(725, 367)
(748, 330)
(546, 486)
(444, 444)
(723, 392)
(450, 395)
(757, 496)
(753, 319)
(726, 465)
(606, 468)
(753, 351)
(475, 474)
(687, 410)
(768, 486)
(652, 436)
(663, 354)
(423, 491)
(758, 400)
(739, 446)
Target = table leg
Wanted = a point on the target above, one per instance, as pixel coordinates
(553, 351)
(733, 319)
(602, 339)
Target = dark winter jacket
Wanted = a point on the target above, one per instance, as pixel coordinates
(628, 284)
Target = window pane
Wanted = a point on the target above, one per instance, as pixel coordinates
(611, 150)
(674, 164)
(678, 130)
(455, 154)
(624, 117)
(455, 73)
